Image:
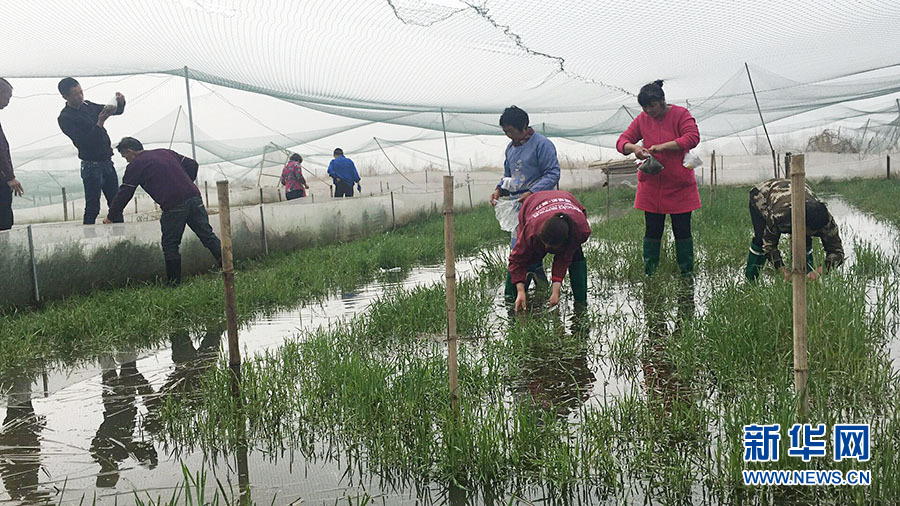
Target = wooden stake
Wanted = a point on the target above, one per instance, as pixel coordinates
(34, 276)
(798, 274)
(888, 166)
(393, 214)
(712, 176)
(450, 260)
(607, 197)
(65, 206)
(262, 222)
(234, 351)
(206, 191)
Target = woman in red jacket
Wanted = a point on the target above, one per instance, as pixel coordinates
(668, 132)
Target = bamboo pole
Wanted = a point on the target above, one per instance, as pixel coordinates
(234, 351)
(206, 191)
(888, 166)
(712, 176)
(450, 259)
(65, 206)
(798, 274)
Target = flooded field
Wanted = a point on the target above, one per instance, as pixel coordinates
(636, 397)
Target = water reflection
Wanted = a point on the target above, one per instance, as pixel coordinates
(661, 379)
(115, 440)
(555, 373)
(20, 444)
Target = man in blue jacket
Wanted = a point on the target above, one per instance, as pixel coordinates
(530, 166)
(344, 174)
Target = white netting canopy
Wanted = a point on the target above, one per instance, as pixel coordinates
(402, 60)
(575, 66)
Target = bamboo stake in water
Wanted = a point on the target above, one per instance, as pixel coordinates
(450, 260)
(234, 352)
(798, 260)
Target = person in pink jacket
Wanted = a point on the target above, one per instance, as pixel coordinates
(668, 132)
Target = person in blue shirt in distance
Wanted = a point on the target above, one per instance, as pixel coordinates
(343, 172)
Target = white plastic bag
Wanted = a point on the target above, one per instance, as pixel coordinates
(692, 161)
(507, 212)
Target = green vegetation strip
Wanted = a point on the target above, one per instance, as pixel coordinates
(83, 327)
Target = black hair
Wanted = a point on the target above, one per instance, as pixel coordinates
(338, 151)
(556, 231)
(66, 85)
(296, 158)
(129, 143)
(651, 92)
(514, 117)
(816, 215)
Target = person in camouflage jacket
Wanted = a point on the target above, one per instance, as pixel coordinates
(770, 213)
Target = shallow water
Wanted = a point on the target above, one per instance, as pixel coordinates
(91, 430)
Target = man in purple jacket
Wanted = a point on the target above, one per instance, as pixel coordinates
(169, 180)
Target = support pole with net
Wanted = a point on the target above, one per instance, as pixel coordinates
(774, 157)
(187, 87)
(798, 275)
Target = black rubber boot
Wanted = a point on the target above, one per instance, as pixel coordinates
(684, 255)
(651, 255)
(173, 272)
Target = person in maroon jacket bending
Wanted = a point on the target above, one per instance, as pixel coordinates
(551, 222)
(168, 178)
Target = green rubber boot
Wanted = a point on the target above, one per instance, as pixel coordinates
(684, 255)
(509, 292)
(651, 255)
(755, 262)
(578, 278)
